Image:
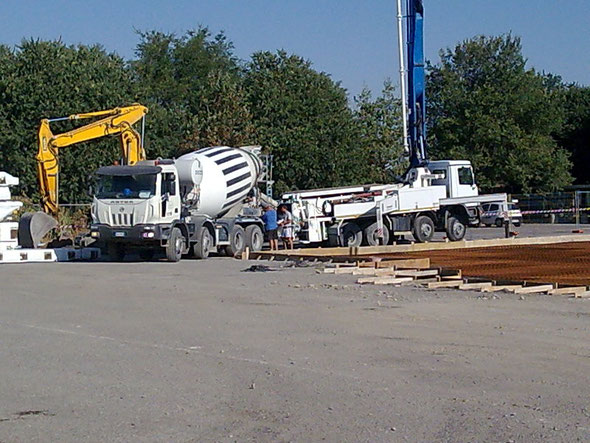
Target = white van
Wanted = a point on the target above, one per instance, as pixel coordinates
(494, 213)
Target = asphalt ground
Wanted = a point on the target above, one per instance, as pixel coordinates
(201, 351)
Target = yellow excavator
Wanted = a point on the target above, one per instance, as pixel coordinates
(117, 121)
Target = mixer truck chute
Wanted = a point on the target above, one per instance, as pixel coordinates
(203, 201)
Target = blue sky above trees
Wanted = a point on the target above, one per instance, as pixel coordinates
(352, 40)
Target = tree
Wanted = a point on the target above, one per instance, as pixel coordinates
(575, 133)
(193, 87)
(42, 79)
(302, 117)
(486, 106)
(379, 125)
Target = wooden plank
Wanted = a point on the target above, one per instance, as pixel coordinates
(384, 280)
(568, 291)
(445, 284)
(392, 280)
(374, 271)
(406, 263)
(416, 273)
(364, 280)
(499, 288)
(481, 285)
(345, 270)
(533, 289)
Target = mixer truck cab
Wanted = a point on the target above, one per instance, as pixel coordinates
(203, 201)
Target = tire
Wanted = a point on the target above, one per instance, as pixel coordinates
(370, 237)
(423, 229)
(146, 254)
(455, 229)
(499, 222)
(202, 247)
(175, 245)
(517, 224)
(254, 238)
(351, 235)
(116, 251)
(237, 241)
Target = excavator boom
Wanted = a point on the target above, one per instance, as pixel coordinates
(114, 121)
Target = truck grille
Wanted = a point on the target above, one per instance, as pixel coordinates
(120, 219)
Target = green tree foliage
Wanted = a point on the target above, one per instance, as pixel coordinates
(486, 106)
(379, 126)
(42, 79)
(302, 117)
(193, 88)
(575, 133)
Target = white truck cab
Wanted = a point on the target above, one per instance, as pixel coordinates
(457, 177)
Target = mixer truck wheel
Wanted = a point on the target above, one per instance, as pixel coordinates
(254, 238)
(175, 245)
(202, 248)
(237, 241)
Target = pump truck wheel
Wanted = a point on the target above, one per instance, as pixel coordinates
(371, 237)
(423, 229)
(352, 235)
(455, 229)
(175, 245)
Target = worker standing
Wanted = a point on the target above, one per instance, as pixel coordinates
(286, 224)
(269, 219)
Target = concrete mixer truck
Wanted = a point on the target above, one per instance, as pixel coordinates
(203, 201)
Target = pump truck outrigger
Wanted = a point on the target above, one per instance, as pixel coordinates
(202, 201)
(432, 196)
(116, 121)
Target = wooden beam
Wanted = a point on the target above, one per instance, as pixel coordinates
(481, 285)
(384, 280)
(445, 284)
(533, 289)
(499, 288)
(568, 291)
(416, 273)
(392, 280)
(374, 271)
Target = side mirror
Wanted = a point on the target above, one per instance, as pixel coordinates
(91, 191)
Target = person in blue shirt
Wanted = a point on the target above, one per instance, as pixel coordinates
(270, 226)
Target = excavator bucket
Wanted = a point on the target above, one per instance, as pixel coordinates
(32, 227)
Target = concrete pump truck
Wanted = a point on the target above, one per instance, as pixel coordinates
(432, 195)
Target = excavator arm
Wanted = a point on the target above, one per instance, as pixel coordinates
(114, 121)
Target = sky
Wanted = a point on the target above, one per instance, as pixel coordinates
(353, 40)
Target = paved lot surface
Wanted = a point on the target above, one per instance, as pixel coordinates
(200, 351)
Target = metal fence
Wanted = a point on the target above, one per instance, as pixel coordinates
(559, 207)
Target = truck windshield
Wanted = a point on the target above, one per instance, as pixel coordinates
(126, 186)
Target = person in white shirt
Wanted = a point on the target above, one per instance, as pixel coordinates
(286, 224)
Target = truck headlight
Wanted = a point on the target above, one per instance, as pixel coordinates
(95, 234)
